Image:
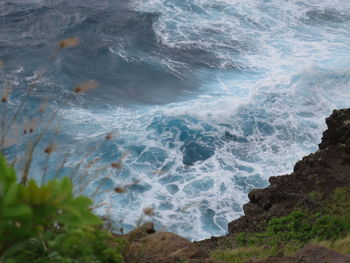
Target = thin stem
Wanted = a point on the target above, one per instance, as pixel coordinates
(7, 128)
(32, 147)
(98, 188)
(3, 124)
(45, 169)
(64, 161)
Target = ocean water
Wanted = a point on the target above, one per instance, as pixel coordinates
(206, 98)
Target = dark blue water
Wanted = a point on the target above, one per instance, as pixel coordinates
(206, 99)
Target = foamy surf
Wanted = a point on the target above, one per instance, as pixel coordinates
(206, 99)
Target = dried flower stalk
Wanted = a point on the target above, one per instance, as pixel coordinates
(88, 85)
(149, 211)
(69, 42)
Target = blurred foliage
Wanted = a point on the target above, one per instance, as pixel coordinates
(49, 224)
(80, 245)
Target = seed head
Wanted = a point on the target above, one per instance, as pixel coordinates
(117, 165)
(26, 126)
(104, 218)
(6, 93)
(149, 211)
(109, 136)
(88, 85)
(69, 42)
(50, 149)
(32, 125)
(120, 190)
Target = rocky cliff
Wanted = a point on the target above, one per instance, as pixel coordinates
(320, 172)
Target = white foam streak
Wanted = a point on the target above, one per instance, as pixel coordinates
(283, 125)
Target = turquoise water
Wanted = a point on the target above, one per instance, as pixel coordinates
(206, 99)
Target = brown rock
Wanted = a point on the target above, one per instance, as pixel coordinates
(338, 129)
(140, 232)
(320, 254)
(145, 246)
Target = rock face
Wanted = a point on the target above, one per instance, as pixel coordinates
(309, 254)
(321, 172)
(147, 246)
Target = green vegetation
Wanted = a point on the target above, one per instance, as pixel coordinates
(49, 224)
(287, 234)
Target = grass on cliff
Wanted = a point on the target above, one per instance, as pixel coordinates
(341, 245)
(243, 254)
(328, 227)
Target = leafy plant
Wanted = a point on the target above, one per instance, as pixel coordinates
(48, 221)
(251, 239)
(295, 226)
(288, 233)
(15, 215)
(339, 204)
(89, 245)
(328, 227)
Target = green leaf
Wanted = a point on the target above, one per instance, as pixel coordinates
(11, 196)
(32, 193)
(44, 214)
(3, 166)
(89, 219)
(19, 210)
(66, 187)
(7, 176)
(66, 208)
(81, 202)
(12, 250)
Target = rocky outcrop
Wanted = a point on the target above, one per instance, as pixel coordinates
(148, 246)
(321, 172)
(309, 254)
